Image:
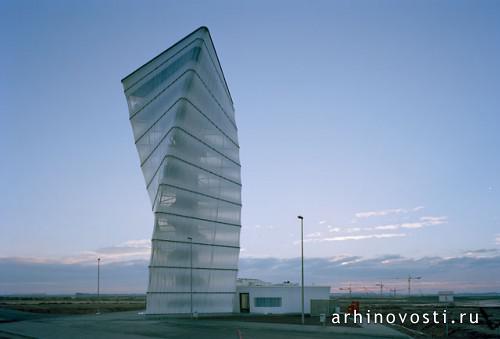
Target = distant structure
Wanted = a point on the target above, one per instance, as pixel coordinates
(410, 278)
(381, 285)
(446, 296)
(257, 296)
(184, 128)
(349, 288)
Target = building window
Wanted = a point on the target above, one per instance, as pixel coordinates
(267, 302)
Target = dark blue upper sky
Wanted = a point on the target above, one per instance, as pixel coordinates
(376, 120)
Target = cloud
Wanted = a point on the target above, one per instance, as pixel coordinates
(497, 239)
(426, 221)
(482, 252)
(322, 222)
(381, 213)
(422, 222)
(355, 237)
(30, 275)
(461, 273)
(127, 251)
(434, 220)
(313, 235)
(412, 225)
(386, 227)
(473, 271)
(353, 229)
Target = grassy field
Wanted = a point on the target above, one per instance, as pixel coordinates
(429, 304)
(78, 304)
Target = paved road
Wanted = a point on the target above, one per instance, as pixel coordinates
(131, 325)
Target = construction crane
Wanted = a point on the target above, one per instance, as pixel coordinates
(381, 288)
(347, 289)
(410, 278)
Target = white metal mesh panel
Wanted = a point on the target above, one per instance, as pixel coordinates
(182, 118)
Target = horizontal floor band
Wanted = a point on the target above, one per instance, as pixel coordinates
(192, 136)
(194, 243)
(182, 98)
(191, 164)
(199, 193)
(202, 219)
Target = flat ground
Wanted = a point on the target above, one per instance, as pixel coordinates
(75, 317)
(130, 324)
(427, 304)
(68, 316)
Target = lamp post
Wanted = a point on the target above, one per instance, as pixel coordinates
(302, 261)
(191, 273)
(98, 276)
(98, 284)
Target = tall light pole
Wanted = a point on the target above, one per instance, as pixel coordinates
(191, 272)
(98, 276)
(98, 284)
(302, 261)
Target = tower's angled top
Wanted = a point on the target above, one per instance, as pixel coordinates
(199, 37)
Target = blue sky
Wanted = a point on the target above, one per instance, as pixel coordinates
(376, 120)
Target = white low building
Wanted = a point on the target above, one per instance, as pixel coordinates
(255, 296)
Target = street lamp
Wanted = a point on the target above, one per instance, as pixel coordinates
(98, 276)
(191, 272)
(98, 284)
(302, 260)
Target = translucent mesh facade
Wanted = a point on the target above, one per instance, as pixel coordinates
(183, 123)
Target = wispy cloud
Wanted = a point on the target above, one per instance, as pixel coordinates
(419, 223)
(127, 251)
(381, 213)
(434, 220)
(386, 227)
(483, 253)
(497, 239)
(461, 273)
(355, 237)
(313, 235)
(475, 270)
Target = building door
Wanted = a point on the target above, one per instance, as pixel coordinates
(244, 303)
